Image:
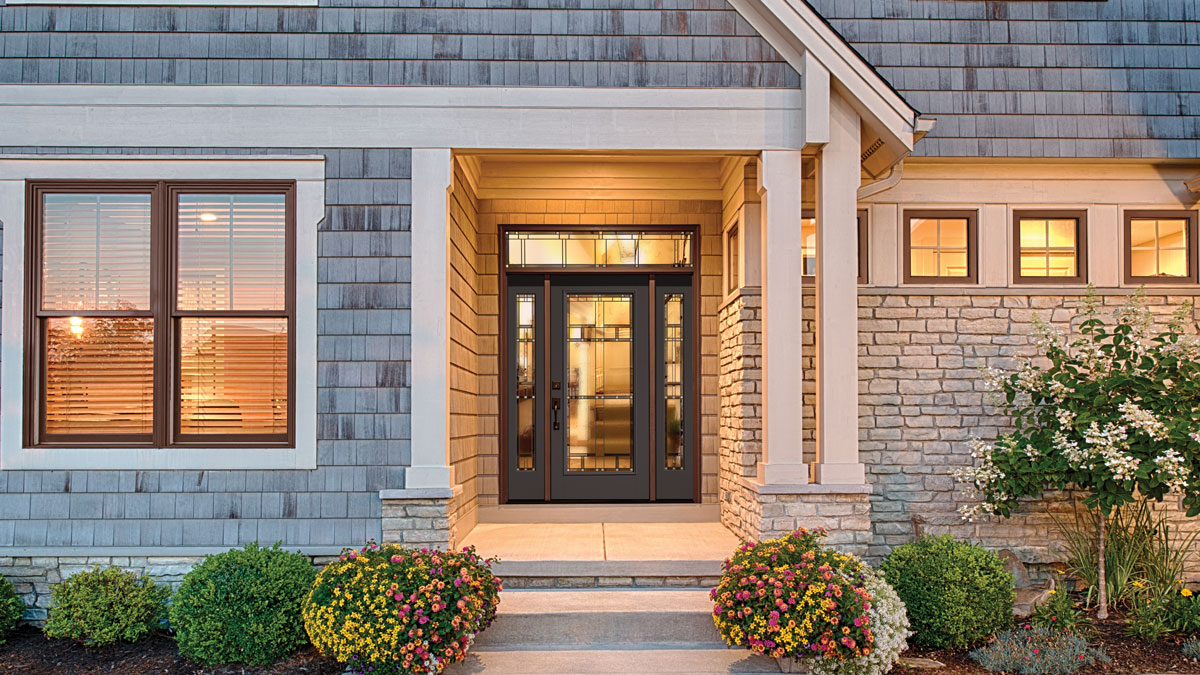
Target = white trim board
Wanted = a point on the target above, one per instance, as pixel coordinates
(310, 210)
(545, 118)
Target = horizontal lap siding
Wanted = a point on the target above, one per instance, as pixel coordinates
(1038, 79)
(607, 43)
(363, 423)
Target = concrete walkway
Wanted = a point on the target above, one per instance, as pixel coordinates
(602, 541)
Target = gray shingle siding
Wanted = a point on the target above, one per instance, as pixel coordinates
(606, 43)
(362, 401)
(1119, 78)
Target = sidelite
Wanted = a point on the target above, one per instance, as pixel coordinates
(161, 314)
(599, 366)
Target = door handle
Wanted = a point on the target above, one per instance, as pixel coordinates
(555, 404)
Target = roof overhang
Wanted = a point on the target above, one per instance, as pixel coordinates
(809, 43)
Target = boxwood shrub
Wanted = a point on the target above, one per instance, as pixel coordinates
(103, 606)
(242, 606)
(11, 608)
(957, 594)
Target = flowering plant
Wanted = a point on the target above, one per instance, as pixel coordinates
(792, 597)
(1116, 414)
(392, 610)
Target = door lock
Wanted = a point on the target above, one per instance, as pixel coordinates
(555, 403)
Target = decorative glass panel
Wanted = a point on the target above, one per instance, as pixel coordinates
(1048, 247)
(526, 381)
(599, 249)
(99, 375)
(1158, 247)
(599, 383)
(95, 252)
(233, 376)
(938, 247)
(673, 366)
(232, 252)
(808, 246)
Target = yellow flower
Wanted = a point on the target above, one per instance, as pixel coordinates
(1186, 593)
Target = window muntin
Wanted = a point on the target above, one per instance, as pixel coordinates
(1050, 246)
(170, 325)
(1160, 247)
(534, 249)
(939, 247)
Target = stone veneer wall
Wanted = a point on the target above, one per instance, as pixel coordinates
(741, 430)
(423, 517)
(32, 577)
(922, 397)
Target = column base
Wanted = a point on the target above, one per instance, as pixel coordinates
(839, 473)
(774, 511)
(419, 517)
(778, 473)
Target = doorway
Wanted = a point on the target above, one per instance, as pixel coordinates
(600, 372)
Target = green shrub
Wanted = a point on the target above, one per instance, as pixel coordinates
(242, 606)
(11, 608)
(1037, 651)
(99, 607)
(957, 594)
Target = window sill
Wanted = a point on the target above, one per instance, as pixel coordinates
(160, 459)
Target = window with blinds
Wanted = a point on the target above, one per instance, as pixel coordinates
(163, 314)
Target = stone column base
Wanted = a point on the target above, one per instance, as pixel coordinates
(420, 517)
(778, 510)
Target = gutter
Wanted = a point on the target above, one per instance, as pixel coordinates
(923, 126)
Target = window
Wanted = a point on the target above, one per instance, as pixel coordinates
(1050, 246)
(733, 257)
(552, 249)
(939, 247)
(1160, 247)
(808, 245)
(161, 314)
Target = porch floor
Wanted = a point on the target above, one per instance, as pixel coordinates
(602, 541)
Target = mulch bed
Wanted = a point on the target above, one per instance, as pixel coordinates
(28, 652)
(1128, 654)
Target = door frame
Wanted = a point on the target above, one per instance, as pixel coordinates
(546, 273)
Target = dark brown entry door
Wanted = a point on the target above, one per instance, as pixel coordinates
(600, 388)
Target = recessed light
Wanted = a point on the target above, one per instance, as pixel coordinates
(208, 217)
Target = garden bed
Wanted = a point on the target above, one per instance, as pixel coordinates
(29, 652)
(1128, 654)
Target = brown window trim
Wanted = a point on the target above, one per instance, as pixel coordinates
(163, 271)
(1127, 252)
(1080, 217)
(972, 218)
(864, 262)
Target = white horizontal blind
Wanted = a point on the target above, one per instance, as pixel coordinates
(96, 252)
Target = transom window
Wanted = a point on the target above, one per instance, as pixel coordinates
(558, 249)
(1050, 246)
(162, 314)
(1160, 247)
(940, 247)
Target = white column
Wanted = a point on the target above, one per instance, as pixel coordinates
(838, 179)
(430, 365)
(783, 377)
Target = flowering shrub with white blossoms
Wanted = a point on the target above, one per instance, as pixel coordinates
(1116, 414)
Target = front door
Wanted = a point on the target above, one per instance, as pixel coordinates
(600, 388)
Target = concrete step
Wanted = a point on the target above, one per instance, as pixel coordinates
(696, 574)
(539, 619)
(690, 659)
